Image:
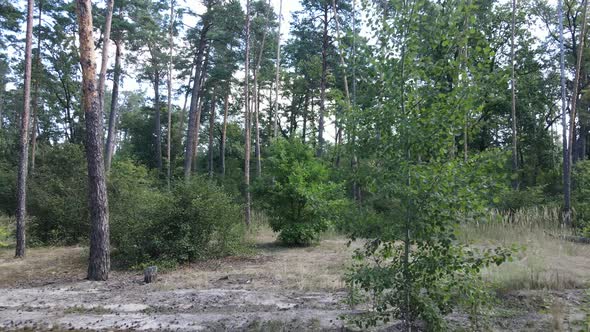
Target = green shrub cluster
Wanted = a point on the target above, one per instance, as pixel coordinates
(297, 193)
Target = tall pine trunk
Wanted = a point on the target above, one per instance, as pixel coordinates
(211, 127)
(36, 91)
(224, 134)
(113, 116)
(21, 184)
(572, 125)
(169, 108)
(323, 83)
(247, 120)
(105, 55)
(192, 123)
(99, 260)
(277, 74)
(513, 88)
(157, 120)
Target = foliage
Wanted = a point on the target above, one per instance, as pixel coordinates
(57, 197)
(581, 195)
(297, 195)
(195, 221)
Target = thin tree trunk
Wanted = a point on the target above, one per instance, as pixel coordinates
(323, 83)
(183, 112)
(566, 176)
(572, 127)
(24, 140)
(257, 124)
(105, 55)
(224, 133)
(157, 120)
(211, 126)
(513, 88)
(305, 111)
(168, 145)
(278, 70)
(346, 92)
(36, 90)
(190, 149)
(99, 260)
(113, 116)
(200, 111)
(247, 119)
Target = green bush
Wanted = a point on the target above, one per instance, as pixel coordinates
(581, 195)
(57, 199)
(7, 189)
(297, 195)
(195, 221)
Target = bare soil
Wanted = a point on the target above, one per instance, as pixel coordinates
(279, 289)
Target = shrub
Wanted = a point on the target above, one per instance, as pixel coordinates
(57, 197)
(195, 221)
(297, 195)
(581, 195)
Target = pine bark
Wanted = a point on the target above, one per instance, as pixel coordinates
(224, 134)
(277, 74)
(99, 261)
(513, 88)
(190, 149)
(323, 83)
(211, 127)
(157, 120)
(24, 140)
(247, 120)
(113, 116)
(105, 55)
(36, 91)
(169, 106)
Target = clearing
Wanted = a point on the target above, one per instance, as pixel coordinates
(278, 289)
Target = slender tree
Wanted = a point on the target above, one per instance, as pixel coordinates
(99, 261)
(105, 54)
(36, 89)
(277, 74)
(169, 140)
(211, 127)
(513, 88)
(112, 129)
(247, 119)
(566, 169)
(21, 185)
(224, 133)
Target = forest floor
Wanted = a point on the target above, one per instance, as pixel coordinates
(275, 289)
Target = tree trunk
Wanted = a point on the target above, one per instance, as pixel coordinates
(99, 261)
(157, 120)
(201, 102)
(183, 113)
(513, 88)
(572, 127)
(24, 140)
(257, 125)
(190, 149)
(36, 90)
(247, 119)
(305, 111)
(224, 133)
(113, 116)
(169, 108)
(105, 55)
(278, 70)
(211, 126)
(323, 83)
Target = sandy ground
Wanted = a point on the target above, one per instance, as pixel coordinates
(279, 289)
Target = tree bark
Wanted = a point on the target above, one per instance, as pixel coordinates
(513, 88)
(278, 70)
(201, 102)
(211, 126)
(190, 150)
(572, 128)
(247, 120)
(224, 133)
(323, 83)
(157, 120)
(99, 260)
(169, 108)
(36, 90)
(24, 141)
(105, 55)
(113, 116)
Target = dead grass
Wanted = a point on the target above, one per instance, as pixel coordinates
(543, 260)
(318, 267)
(41, 266)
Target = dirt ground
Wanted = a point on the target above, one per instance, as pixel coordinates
(278, 289)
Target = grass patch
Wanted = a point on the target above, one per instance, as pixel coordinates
(6, 232)
(544, 260)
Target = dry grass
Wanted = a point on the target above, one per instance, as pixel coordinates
(42, 266)
(543, 262)
(318, 267)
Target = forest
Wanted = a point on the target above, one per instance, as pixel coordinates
(302, 165)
